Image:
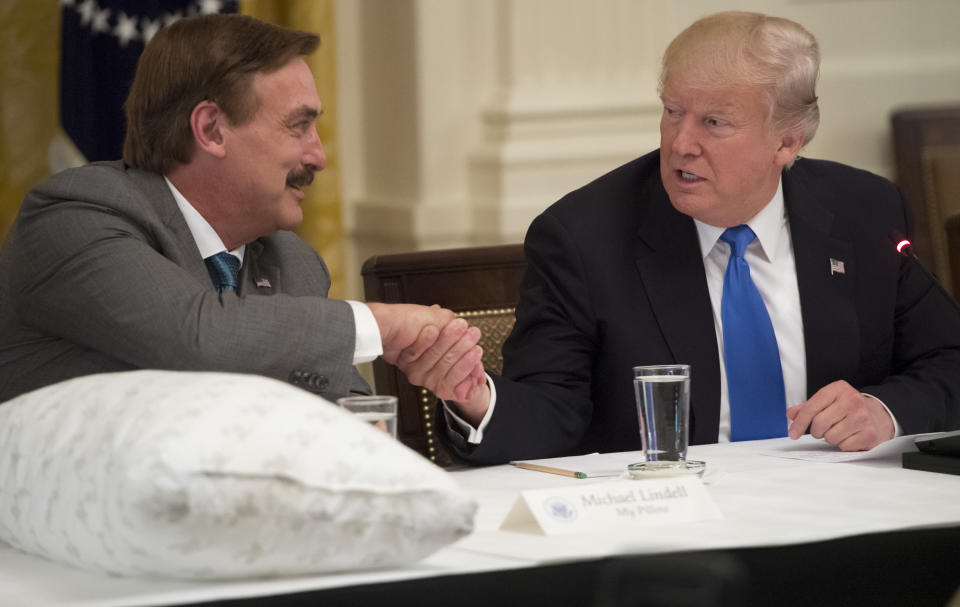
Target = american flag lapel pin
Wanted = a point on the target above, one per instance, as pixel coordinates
(265, 283)
(836, 267)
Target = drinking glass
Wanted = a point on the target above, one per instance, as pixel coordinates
(663, 414)
(379, 411)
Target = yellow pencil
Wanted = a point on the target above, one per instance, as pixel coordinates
(549, 469)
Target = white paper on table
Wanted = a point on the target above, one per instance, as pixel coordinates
(819, 450)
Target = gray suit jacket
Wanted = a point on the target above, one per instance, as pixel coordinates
(101, 273)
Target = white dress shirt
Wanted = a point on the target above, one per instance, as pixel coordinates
(368, 345)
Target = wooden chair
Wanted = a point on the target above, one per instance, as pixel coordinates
(480, 284)
(927, 148)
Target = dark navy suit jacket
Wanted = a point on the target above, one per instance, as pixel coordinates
(615, 279)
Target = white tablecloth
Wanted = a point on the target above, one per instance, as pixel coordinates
(764, 501)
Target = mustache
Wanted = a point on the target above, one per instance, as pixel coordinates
(299, 178)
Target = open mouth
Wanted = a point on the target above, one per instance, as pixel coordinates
(688, 177)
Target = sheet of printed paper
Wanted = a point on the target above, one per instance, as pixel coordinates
(819, 450)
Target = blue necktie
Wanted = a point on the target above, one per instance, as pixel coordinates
(223, 268)
(754, 376)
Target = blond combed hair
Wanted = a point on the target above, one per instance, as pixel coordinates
(736, 49)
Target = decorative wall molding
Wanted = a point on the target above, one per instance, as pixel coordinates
(461, 120)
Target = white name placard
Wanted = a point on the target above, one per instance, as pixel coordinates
(610, 506)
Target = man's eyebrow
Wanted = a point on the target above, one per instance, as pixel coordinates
(303, 112)
(722, 109)
(727, 108)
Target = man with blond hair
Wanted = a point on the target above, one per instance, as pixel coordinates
(772, 275)
(181, 256)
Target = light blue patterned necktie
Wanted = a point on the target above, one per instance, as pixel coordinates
(750, 352)
(223, 268)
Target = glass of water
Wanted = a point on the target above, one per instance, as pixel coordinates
(663, 414)
(379, 411)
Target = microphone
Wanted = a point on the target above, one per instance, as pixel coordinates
(905, 248)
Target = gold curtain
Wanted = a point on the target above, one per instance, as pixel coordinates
(29, 60)
(322, 226)
(29, 120)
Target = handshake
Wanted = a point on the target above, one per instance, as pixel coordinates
(436, 350)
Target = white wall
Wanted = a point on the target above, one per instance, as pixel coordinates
(462, 119)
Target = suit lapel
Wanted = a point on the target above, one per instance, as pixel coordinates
(671, 269)
(260, 271)
(176, 241)
(830, 323)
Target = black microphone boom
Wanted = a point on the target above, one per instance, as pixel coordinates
(905, 248)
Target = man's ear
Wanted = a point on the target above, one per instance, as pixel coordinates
(790, 144)
(207, 121)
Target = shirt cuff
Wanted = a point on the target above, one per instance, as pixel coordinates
(369, 344)
(473, 435)
(897, 429)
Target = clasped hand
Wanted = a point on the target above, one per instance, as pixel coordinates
(433, 348)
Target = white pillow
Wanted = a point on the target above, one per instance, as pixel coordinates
(213, 475)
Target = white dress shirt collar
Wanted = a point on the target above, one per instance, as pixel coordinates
(768, 225)
(203, 233)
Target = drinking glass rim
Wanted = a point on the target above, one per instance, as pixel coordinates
(368, 398)
(679, 367)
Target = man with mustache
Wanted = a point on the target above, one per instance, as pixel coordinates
(772, 275)
(181, 255)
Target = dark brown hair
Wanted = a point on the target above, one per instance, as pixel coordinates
(213, 57)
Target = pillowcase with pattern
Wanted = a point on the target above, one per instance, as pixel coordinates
(213, 475)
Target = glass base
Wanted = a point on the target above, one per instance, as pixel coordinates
(647, 470)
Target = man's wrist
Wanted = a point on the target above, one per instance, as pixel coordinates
(475, 409)
(380, 312)
(472, 432)
(897, 428)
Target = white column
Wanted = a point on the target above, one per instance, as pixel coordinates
(574, 96)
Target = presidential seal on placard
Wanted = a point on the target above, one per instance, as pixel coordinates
(560, 509)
